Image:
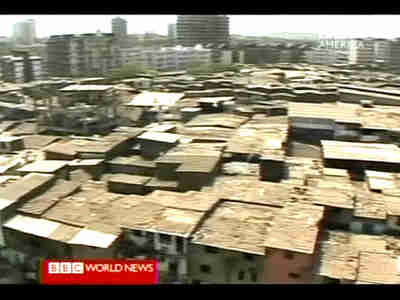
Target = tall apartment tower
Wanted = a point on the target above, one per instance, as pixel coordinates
(202, 29)
(394, 59)
(82, 55)
(21, 67)
(382, 50)
(24, 32)
(361, 51)
(172, 32)
(119, 27)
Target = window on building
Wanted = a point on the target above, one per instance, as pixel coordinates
(205, 269)
(248, 257)
(241, 275)
(173, 268)
(138, 233)
(179, 245)
(294, 275)
(35, 243)
(253, 276)
(289, 255)
(150, 236)
(368, 228)
(165, 239)
(211, 249)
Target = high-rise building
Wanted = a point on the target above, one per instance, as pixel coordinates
(361, 51)
(119, 27)
(82, 55)
(382, 50)
(168, 58)
(21, 67)
(326, 56)
(171, 32)
(24, 32)
(202, 29)
(395, 55)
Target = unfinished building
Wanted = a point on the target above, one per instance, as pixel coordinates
(81, 109)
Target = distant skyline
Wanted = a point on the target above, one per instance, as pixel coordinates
(343, 26)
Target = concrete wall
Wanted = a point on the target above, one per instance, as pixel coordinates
(349, 97)
(194, 181)
(6, 147)
(165, 252)
(153, 149)
(87, 252)
(132, 170)
(280, 269)
(339, 219)
(21, 248)
(225, 266)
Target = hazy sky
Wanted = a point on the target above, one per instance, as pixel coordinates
(328, 25)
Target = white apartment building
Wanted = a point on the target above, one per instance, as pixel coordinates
(171, 250)
(168, 58)
(37, 67)
(82, 55)
(18, 70)
(326, 56)
(12, 69)
(382, 50)
(361, 51)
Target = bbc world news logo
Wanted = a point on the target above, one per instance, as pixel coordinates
(100, 272)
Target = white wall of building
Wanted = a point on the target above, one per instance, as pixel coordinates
(361, 51)
(226, 57)
(169, 58)
(167, 247)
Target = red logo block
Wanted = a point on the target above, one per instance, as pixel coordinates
(100, 271)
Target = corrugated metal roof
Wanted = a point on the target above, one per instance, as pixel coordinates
(218, 120)
(86, 88)
(35, 226)
(85, 162)
(160, 137)
(64, 233)
(93, 238)
(369, 205)
(199, 164)
(295, 228)
(380, 268)
(155, 99)
(5, 203)
(361, 151)
(323, 111)
(151, 216)
(7, 139)
(44, 166)
(38, 141)
(192, 200)
(23, 186)
(133, 160)
(237, 226)
(38, 205)
(129, 179)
